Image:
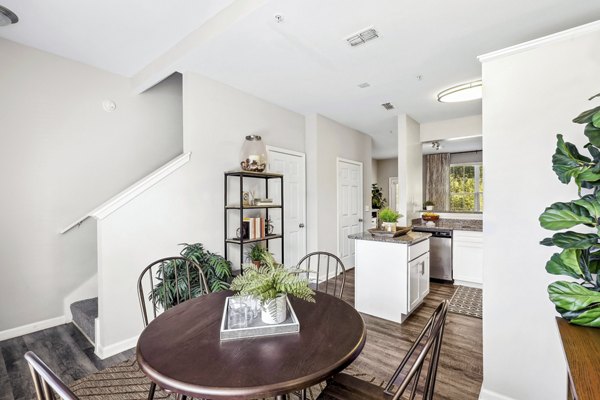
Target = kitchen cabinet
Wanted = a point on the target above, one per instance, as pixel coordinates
(391, 274)
(467, 258)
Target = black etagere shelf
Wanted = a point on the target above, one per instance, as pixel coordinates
(230, 239)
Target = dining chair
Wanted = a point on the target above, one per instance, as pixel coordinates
(324, 271)
(424, 351)
(46, 383)
(170, 281)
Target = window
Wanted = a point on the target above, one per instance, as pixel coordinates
(466, 187)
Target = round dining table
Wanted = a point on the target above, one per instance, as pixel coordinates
(181, 350)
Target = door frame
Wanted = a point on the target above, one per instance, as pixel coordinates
(303, 161)
(337, 190)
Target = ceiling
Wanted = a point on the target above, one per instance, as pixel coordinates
(455, 145)
(304, 62)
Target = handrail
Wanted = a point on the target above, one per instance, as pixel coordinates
(132, 191)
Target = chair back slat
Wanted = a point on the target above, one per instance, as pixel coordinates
(335, 273)
(45, 381)
(170, 272)
(427, 346)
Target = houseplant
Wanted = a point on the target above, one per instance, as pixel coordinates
(429, 205)
(579, 301)
(389, 218)
(216, 269)
(270, 283)
(258, 254)
(377, 199)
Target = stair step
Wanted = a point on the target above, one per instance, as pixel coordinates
(85, 313)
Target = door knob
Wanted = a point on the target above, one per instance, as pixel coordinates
(360, 220)
(301, 226)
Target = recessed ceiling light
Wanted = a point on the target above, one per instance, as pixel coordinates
(464, 92)
(363, 85)
(7, 17)
(388, 106)
(362, 37)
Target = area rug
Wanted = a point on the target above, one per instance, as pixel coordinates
(126, 381)
(467, 301)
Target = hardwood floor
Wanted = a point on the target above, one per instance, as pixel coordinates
(460, 374)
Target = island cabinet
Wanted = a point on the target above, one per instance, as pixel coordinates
(391, 274)
(467, 258)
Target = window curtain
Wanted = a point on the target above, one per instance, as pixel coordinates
(437, 180)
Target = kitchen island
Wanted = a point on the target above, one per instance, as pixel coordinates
(392, 274)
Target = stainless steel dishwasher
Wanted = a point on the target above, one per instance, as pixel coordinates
(440, 253)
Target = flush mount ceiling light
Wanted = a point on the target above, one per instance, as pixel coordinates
(7, 17)
(465, 92)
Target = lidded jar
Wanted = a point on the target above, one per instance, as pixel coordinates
(254, 154)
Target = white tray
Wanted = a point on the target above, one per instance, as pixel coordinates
(257, 328)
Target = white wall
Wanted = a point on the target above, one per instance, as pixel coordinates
(451, 128)
(187, 206)
(410, 169)
(331, 140)
(529, 97)
(61, 155)
(386, 169)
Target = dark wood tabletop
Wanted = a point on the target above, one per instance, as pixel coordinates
(181, 351)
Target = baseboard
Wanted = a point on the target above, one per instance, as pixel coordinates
(30, 328)
(486, 394)
(116, 348)
(468, 284)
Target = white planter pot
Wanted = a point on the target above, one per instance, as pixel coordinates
(389, 226)
(274, 311)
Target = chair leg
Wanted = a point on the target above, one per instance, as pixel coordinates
(303, 397)
(151, 391)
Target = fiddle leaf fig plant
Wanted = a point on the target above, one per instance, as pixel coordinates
(577, 301)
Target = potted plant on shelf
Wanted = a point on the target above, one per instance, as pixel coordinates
(577, 302)
(216, 269)
(377, 199)
(271, 283)
(429, 205)
(258, 254)
(389, 219)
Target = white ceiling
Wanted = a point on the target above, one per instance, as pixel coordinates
(455, 145)
(304, 63)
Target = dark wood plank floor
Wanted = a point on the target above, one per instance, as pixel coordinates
(460, 374)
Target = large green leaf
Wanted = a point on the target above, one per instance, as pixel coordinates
(591, 203)
(564, 216)
(586, 116)
(572, 296)
(565, 263)
(593, 134)
(590, 317)
(596, 119)
(575, 240)
(566, 161)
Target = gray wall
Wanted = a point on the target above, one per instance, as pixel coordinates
(386, 169)
(62, 155)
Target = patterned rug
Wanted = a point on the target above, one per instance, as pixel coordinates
(467, 301)
(126, 381)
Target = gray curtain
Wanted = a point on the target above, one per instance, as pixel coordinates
(437, 179)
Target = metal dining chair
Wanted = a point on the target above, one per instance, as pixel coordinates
(324, 271)
(425, 350)
(46, 383)
(182, 275)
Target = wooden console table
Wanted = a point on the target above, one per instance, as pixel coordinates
(582, 350)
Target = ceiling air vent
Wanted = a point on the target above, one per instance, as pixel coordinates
(388, 106)
(362, 37)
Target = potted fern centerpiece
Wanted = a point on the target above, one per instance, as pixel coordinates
(389, 219)
(579, 258)
(271, 283)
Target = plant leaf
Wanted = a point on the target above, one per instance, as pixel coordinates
(572, 296)
(574, 240)
(566, 161)
(565, 263)
(591, 203)
(593, 133)
(596, 119)
(590, 317)
(547, 242)
(586, 116)
(565, 215)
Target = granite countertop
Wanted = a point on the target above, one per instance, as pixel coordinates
(454, 224)
(410, 238)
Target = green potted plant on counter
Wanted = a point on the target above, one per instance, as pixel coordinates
(428, 205)
(579, 258)
(271, 283)
(389, 219)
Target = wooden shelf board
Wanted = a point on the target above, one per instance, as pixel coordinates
(238, 241)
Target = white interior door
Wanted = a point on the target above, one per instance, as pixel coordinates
(292, 165)
(349, 210)
(394, 195)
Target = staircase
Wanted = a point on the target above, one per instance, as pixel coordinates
(85, 313)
